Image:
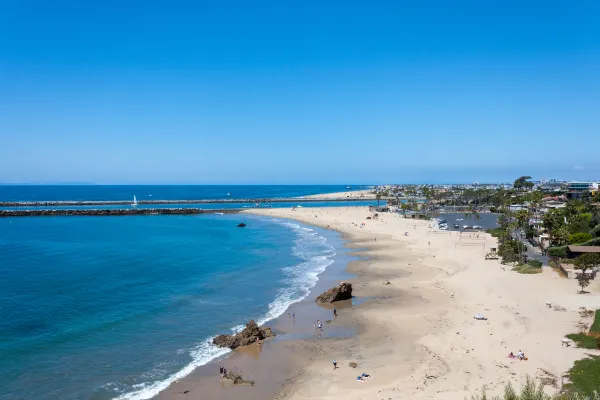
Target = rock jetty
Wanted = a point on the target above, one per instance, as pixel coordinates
(200, 201)
(247, 336)
(337, 293)
(109, 212)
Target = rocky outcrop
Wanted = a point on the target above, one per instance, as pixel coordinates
(238, 379)
(247, 336)
(341, 292)
(109, 212)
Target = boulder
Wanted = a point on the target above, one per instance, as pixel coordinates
(337, 293)
(247, 336)
(239, 380)
(352, 364)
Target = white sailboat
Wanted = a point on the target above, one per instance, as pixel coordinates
(135, 203)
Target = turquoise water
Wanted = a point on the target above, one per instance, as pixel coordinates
(104, 308)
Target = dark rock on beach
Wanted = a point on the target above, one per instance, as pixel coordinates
(337, 293)
(249, 335)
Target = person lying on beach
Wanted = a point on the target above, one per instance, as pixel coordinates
(360, 379)
(511, 355)
(366, 376)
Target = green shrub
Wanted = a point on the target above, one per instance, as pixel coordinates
(535, 263)
(584, 341)
(593, 242)
(579, 226)
(527, 269)
(496, 232)
(560, 251)
(584, 377)
(596, 325)
(576, 390)
(579, 237)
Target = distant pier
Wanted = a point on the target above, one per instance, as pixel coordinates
(205, 201)
(111, 212)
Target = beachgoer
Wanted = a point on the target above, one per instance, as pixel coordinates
(334, 363)
(294, 315)
(511, 355)
(520, 355)
(221, 371)
(334, 312)
(315, 326)
(224, 372)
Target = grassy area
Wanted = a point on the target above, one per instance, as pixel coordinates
(527, 269)
(596, 325)
(584, 341)
(584, 377)
(591, 340)
(531, 391)
(535, 263)
(496, 232)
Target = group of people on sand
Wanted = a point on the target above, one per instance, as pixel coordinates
(520, 355)
(223, 372)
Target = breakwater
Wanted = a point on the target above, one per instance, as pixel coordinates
(111, 212)
(204, 201)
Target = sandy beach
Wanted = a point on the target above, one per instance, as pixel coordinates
(416, 335)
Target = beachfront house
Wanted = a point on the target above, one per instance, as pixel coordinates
(574, 251)
(566, 264)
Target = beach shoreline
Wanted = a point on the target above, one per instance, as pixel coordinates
(417, 336)
(271, 364)
(413, 330)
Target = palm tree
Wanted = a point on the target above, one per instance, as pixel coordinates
(404, 207)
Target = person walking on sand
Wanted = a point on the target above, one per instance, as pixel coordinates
(334, 364)
(334, 312)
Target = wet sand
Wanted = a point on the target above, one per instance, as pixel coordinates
(275, 362)
(414, 330)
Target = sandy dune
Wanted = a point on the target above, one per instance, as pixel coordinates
(418, 337)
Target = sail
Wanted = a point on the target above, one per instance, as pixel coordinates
(134, 201)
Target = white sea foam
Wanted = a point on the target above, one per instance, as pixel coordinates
(201, 355)
(315, 253)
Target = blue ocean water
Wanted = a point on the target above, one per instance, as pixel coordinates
(164, 192)
(105, 308)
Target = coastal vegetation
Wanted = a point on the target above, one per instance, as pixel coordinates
(580, 388)
(591, 338)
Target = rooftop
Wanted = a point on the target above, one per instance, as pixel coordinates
(584, 249)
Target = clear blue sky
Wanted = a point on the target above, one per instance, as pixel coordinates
(298, 91)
